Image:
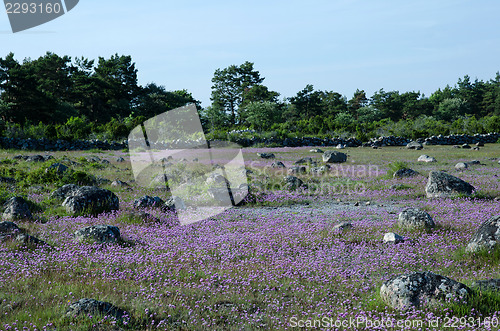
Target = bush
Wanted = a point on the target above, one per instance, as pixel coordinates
(40, 176)
(116, 129)
(395, 166)
(79, 178)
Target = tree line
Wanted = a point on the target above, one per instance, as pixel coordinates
(239, 99)
(73, 98)
(60, 97)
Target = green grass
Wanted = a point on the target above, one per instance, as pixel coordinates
(485, 302)
(26, 295)
(395, 166)
(478, 259)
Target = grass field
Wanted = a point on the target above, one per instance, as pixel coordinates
(273, 263)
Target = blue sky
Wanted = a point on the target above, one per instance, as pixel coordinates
(337, 45)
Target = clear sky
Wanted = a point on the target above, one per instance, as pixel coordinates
(337, 45)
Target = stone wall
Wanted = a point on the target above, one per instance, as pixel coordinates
(58, 145)
(63, 145)
(457, 139)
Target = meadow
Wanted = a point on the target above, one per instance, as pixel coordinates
(274, 263)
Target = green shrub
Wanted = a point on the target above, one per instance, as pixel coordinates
(79, 178)
(395, 166)
(40, 176)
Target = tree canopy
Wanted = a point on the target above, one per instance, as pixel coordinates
(81, 94)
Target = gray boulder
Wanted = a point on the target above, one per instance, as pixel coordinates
(16, 208)
(175, 203)
(95, 159)
(443, 185)
(304, 160)
(94, 307)
(319, 170)
(147, 202)
(421, 289)
(393, 238)
(278, 164)
(474, 162)
(426, 158)
(405, 172)
(26, 239)
(35, 158)
(487, 236)
(414, 145)
(119, 183)
(215, 179)
(297, 170)
(57, 167)
(120, 159)
(343, 226)
(90, 200)
(100, 234)
(64, 191)
(316, 150)
(10, 232)
(415, 218)
(334, 157)
(221, 195)
(460, 166)
(266, 155)
(292, 183)
(8, 227)
(159, 181)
